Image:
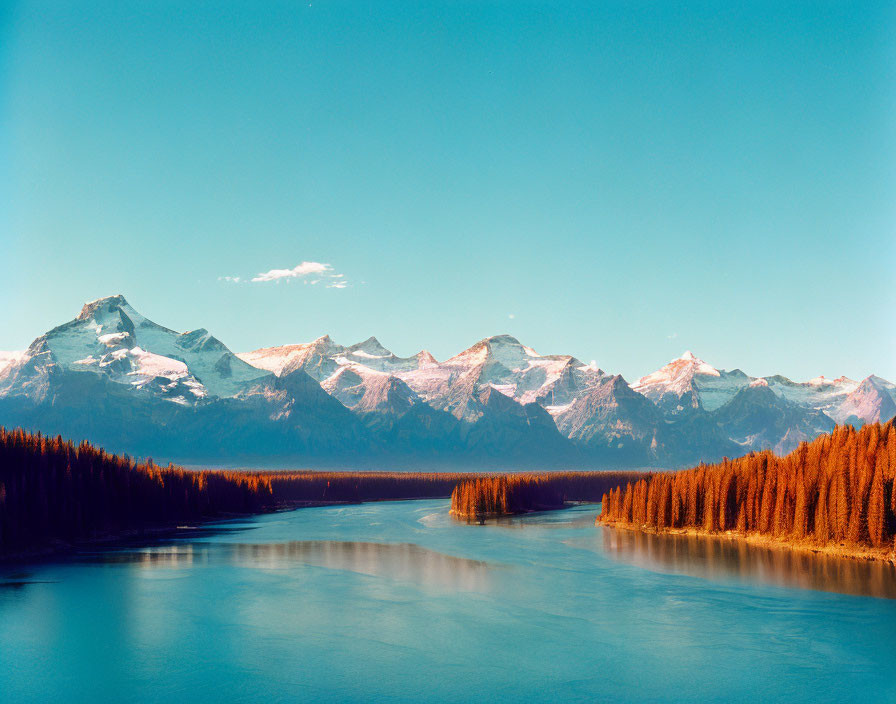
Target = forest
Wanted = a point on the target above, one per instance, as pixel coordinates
(482, 497)
(54, 493)
(836, 491)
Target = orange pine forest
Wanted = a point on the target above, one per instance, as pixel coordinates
(484, 497)
(834, 494)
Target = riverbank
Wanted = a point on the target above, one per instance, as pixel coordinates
(853, 552)
(483, 517)
(145, 535)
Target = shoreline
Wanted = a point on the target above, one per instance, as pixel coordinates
(59, 548)
(481, 517)
(851, 552)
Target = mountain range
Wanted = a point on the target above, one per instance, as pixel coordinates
(118, 379)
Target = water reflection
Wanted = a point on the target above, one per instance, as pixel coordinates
(400, 561)
(725, 558)
(572, 515)
(18, 580)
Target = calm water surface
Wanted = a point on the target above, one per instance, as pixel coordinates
(396, 602)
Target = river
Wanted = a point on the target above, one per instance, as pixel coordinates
(395, 601)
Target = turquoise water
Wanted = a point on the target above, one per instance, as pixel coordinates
(396, 602)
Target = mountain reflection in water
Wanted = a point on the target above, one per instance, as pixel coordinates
(399, 561)
(726, 558)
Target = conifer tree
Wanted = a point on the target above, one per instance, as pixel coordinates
(801, 517)
(876, 506)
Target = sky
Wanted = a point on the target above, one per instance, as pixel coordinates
(620, 181)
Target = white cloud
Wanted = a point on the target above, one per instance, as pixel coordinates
(672, 336)
(303, 269)
(309, 272)
(511, 316)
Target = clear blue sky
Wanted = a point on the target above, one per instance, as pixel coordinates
(626, 179)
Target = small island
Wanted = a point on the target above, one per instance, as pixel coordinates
(476, 500)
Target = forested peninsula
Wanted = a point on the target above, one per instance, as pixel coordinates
(833, 495)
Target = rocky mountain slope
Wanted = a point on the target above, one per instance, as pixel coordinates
(119, 379)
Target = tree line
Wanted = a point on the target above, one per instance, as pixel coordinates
(294, 488)
(53, 491)
(837, 489)
(502, 495)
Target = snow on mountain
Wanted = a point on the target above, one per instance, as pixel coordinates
(113, 375)
(321, 358)
(819, 393)
(366, 390)
(611, 414)
(111, 339)
(455, 385)
(361, 376)
(757, 418)
(373, 355)
(871, 401)
(676, 376)
(501, 363)
(285, 358)
(689, 382)
(367, 377)
(275, 359)
(7, 359)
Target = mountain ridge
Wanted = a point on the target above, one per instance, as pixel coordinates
(496, 401)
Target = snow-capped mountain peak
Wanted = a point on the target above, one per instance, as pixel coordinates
(284, 358)
(839, 381)
(872, 400)
(131, 373)
(676, 376)
(425, 359)
(505, 350)
(110, 338)
(688, 382)
(504, 364)
(880, 382)
(370, 347)
(8, 359)
(366, 390)
(102, 307)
